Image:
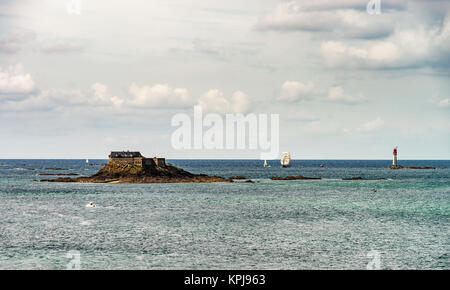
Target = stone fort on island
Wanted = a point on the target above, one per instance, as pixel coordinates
(135, 158)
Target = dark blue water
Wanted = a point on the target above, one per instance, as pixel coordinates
(303, 224)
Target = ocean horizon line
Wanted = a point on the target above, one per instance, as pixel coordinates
(215, 159)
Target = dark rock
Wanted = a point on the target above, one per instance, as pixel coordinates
(361, 178)
(294, 178)
(353, 178)
(238, 177)
(411, 167)
(395, 167)
(55, 169)
(58, 174)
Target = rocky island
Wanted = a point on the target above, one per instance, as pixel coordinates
(132, 167)
(411, 167)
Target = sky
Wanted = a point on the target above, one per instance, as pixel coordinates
(80, 78)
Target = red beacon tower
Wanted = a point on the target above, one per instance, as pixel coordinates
(394, 160)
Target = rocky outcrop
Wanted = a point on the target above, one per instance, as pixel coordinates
(411, 167)
(58, 174)
(238, 177)
(294, 178)
(128, 173)
(362, 178)
(395, 167)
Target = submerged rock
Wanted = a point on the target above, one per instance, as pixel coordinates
(294, 178)
(395, 167)
(58, 174)
(362, 178)
(411, 167)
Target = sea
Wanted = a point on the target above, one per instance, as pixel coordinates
(401, 221)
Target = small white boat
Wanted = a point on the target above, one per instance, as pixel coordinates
(285, 159)
(87, 160)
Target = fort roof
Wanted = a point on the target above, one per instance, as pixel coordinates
(125, 154)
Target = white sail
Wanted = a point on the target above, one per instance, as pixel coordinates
(285, 159)
(87, 160)
(265, 163)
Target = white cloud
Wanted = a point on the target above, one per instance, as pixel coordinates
(65, 100)
(372, 125)
(204, 46)
(337, 17)
(293, 91)
(60, 46)
(102, 96)
(158, 95)
(13, 80)
(215, 101)
(445, 103)
(336, 94)
(47, 100)
(368, 126)
(408, 47)
(14, 42)
(240, 102)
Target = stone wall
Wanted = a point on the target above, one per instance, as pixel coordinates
(140, 161)
(137, 161)
(161, 162)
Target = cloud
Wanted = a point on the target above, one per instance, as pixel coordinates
(408, 47)
(60, 46)
(14, 42)
(47, 100)
(372, 125)
(342, 18)
(240, 102)
(336, 94)
(215, 101)
(204, 46)
(65, 100)
(13, 80)
(369, 126)
(158, 95)
(445, 103)
(406, 34)
(102, 96)
(293, 91)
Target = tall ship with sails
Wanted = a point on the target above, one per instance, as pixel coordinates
(285, 159)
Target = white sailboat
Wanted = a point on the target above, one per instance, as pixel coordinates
(265, 164)
(285, 159)
(87, 160)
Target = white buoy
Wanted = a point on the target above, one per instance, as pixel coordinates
(90, 204)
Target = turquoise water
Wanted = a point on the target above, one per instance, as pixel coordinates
(303, 224)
